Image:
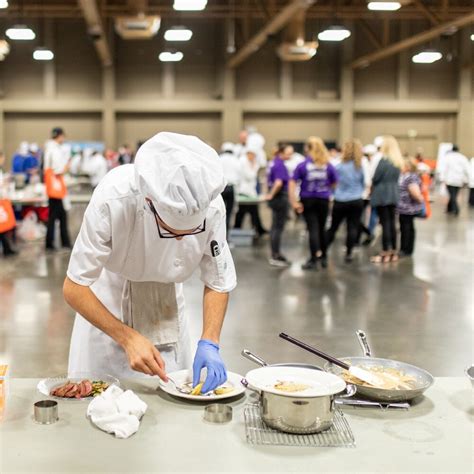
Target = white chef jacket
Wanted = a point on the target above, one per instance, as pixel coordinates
(119, 241)
(96, 167)
(454, 169)
(249, 173)
(56, 157)
(366, 170)
(231, 167)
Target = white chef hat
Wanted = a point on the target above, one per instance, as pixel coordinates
(182, 175)
(255, 140)
(369, 149)
(227, 147)
(378, 141)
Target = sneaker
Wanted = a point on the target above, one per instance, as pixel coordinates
(311, 264)
(324, 262)
(279, 261)
(368, 241)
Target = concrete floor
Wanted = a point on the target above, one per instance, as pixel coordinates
(419, 311)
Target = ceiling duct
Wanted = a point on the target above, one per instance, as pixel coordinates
(137, 27)
(294, 46)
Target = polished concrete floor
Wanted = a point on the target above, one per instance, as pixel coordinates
(419, 310)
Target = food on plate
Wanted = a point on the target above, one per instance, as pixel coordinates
(197, 390)
(290, 387)
(393, 379)
(82, 389)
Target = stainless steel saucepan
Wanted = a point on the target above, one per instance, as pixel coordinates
(258, 360)
(423, 379)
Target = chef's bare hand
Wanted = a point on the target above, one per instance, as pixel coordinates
(143, 356)
(298, 207)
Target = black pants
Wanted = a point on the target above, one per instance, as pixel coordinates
(349, 211)
(407, 233)
(453, 200)
(229, 199)
(279, 207)
(251, 209)
(362, 227)
(6, 245)
(389, 232)
(471, 197)
(57, 212)
(315, 214)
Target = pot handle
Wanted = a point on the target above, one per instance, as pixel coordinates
(245, 383)
(350, 391)
(364, 343)
(253, 358)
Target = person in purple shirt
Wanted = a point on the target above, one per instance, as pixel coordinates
(277, 178)
(317, 178)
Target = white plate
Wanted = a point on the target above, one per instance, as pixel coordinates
(45, 386)
(320, 383)
(182, 377)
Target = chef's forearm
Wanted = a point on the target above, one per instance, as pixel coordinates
(214, 309)
(83, 300)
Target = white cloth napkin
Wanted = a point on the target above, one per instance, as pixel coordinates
(117, 412)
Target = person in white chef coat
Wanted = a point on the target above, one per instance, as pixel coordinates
(148, 227)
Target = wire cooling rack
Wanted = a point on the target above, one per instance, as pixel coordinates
(257, 432)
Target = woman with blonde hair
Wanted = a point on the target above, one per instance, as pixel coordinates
(385, 196)
(317, 178)
(348, 202)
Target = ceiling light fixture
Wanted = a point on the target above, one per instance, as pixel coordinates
(384, 6)
(334, 33)
(189, 5)
(170, 56)
(3, 4)
(427, 57)
(20, 33)
(43, 54)
(472, 37)
(178, 33)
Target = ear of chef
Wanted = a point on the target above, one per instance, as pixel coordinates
(181, 175)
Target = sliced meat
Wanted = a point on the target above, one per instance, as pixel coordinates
(61, 391)
(88, 387)
(72, 391)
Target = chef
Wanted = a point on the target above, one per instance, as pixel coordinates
(148, 227)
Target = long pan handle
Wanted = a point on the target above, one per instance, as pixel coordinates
(315, 351)
(364, 343)
(253, 357)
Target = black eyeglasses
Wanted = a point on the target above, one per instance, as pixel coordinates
(165, 234)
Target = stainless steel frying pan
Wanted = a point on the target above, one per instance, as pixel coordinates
(258, 360)
(423, 379)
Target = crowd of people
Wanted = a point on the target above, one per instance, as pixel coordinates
(357, 185)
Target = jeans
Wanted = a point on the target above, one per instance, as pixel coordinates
(373, 220)
(350, 211)
(389, 233)
(57, 212)
(5, 242)
(229, 199)
(407, 233)
(453, 200)
(279, 207)
(315, 214)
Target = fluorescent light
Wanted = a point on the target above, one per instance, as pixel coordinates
(43, 54)
(20, 33)
(170, 57)
(472, 37)
(384, 6)
(189, 5)
(3, 4)
(334, 33)
(178, 34)
(427, 57)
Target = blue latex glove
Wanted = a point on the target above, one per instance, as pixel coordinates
(207, 355)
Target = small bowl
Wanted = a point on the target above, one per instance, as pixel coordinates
(218, 413)
(470, 373)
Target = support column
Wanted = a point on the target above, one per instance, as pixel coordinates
(2, 131)
(346, 117)
(232, 118)
(286, 80)
(168, 80)
(49, 71)
(403, 76)
(108, 112)
(465, 118)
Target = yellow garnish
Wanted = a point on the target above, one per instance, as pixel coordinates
(197, 389)
(223, 390)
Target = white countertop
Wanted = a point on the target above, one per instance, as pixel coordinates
(435, 435)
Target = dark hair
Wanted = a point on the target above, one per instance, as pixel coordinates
(56, 132)
(455, 148)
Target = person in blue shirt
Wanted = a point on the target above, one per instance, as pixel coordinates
(348, 202)
(18, 159)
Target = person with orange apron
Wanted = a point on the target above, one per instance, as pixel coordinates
(55, 165)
